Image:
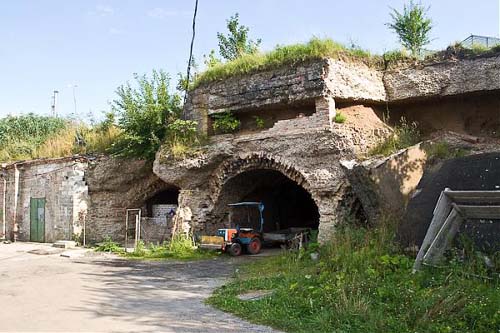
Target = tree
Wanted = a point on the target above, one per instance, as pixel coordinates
(412, 26)
(236, 43)
(143, 113)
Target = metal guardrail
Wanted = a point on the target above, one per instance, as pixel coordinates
(480, 41)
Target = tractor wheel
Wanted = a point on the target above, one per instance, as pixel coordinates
(254, 246)
(235, 249)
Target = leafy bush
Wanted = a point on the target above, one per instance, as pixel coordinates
(143, 113)
(340, 118)
(259, 122)
(225, 123)
(30, 127)
(184, 131)
(405, 135)
(108, 245)
(363, 283)
(183, 138)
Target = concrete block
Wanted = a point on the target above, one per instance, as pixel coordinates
(64, 244)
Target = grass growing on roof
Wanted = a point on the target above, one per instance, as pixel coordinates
(363, 283)
(294, 54)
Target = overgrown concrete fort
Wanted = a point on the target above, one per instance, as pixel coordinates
(304, 147)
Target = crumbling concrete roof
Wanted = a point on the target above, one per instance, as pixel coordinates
(38, 161)
(347, 81)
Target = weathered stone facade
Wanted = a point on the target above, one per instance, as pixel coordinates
(292, 164)
(60, 183)
(116, 185)
(307, 146)
(304, 148)
(448, 78)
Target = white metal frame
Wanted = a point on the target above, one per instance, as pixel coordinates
(137, 237)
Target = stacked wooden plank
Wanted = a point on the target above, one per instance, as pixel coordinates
(452, 209)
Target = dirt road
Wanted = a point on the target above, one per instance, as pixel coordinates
(102, 293)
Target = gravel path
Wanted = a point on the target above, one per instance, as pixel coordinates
(103, 293)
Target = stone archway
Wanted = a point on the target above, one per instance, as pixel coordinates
(255, 161)
(284, 190)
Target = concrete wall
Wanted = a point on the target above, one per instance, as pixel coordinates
(474, 172)
(61, 182)
(386, 185)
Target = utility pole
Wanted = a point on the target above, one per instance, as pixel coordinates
(54, 103)
(74, 86)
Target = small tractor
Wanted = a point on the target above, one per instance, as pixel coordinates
(238, 239)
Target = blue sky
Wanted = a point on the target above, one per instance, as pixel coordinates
(98, 44)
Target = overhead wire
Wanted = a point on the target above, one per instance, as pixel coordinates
(188, 75)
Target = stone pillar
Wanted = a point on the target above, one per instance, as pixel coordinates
(326, 105)
(196, 109)
(194, 205)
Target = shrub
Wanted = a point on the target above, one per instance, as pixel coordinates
(108, 245)
(259, 122)
(143, 114)
(396, 57)
(225, 123)
(340, 118)
(183, 131)
(405, 135)
(183, 138)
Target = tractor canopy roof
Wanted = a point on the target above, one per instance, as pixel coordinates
(259, 205)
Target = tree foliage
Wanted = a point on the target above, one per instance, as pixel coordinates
(143, 113)
(236, 43)
(412, 26)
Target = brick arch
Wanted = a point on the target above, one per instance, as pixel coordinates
(233, 167)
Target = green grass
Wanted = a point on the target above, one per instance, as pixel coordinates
(443, 151)
(405, 135)
(363, 283)
(180, 248)
(289, 55)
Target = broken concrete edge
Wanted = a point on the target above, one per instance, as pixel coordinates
(385, 185)
(346, 82)
(379, 184)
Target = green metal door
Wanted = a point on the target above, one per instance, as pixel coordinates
(37, 220)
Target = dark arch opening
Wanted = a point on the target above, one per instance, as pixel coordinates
(287, 204)
(169, 196)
